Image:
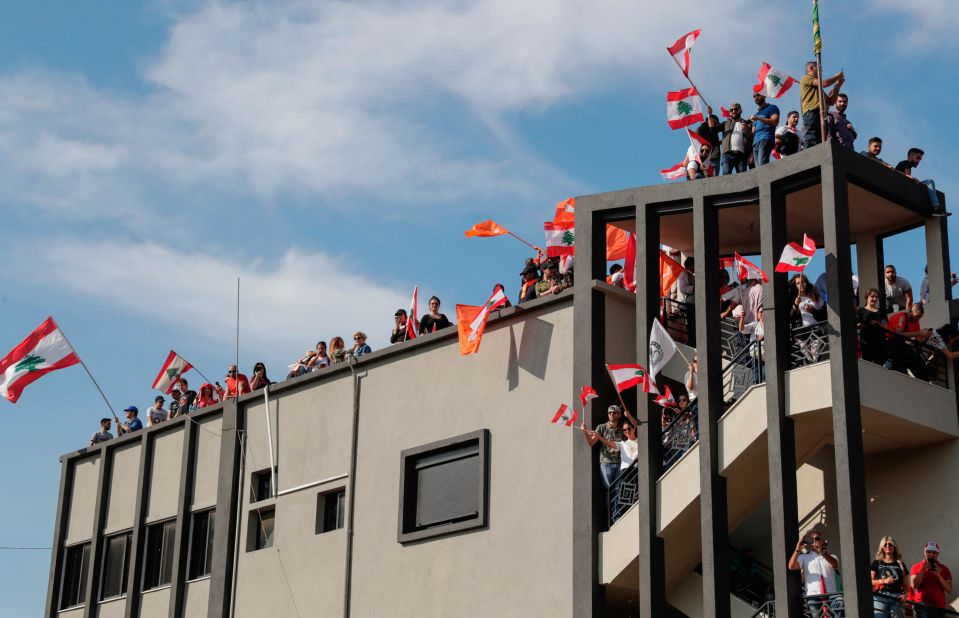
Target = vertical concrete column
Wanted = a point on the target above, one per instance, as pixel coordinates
(224, 530)
(184, 520)
(138, 538)
(780, 435)
(652, 558)
(99, 517)
(869, 264)
(712, 485)
(59, 534)
(937, 263)
(844, 372)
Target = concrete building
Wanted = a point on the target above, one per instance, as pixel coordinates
(420, 483)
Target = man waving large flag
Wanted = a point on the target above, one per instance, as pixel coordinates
(43, 351)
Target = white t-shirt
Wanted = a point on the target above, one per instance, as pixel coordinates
(157, 416)
(806, 307)
(628, 449)
(737, 143)
(816, 571)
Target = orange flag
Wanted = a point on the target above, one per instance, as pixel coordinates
(616, 241)
(471, 321)
(669, 271)
(486, 228)
(565, 210)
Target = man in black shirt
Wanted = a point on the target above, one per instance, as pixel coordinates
(913, 159)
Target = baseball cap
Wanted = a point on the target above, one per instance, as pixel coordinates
(932, 546)
(614, 408)
(131, 409)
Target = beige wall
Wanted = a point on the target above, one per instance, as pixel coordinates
(207, 462)
(123, 488)
(165, 475)
(196, 599)
(115, 608)
(155, 602)
(83, 499)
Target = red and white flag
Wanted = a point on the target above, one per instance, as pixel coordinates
(697, 141)
(174, 367)
(772, 82)
(682, 108)
(560, 238)
(629, 265)
(680, 50)
(628, 376)
(748, 270)
(725, 112)
(587, 393)
(796, 258)
(44, 350)
(412, 323)
(565, 415)
(674, 173)
(667, 400)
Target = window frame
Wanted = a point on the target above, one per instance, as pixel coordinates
(254, 530)
(210, 514)
(128, 546)
(323, 502)
(407, 530)
(150, 530)
(257, 477)
(82, 576)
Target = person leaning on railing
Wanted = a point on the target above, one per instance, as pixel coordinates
(890, 580)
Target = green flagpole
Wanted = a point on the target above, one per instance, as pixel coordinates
(817, 49)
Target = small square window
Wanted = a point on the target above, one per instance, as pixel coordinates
(260, 528)
(330, 510)
(116, 565)
(158, 558)
(201, 543)
(261, 485)
(444, 487)
(73, 586)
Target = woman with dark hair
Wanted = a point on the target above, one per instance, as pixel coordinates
(434, 320)
(807, 302)
(871, 319)
(259, 377)
(337, 350)
(320, 359)
(890, 580)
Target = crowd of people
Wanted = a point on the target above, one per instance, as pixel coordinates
(739, 143)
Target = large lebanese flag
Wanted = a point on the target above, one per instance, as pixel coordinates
(796, 258)
(471, 321)
(44, 350)
(559, 238)
(682, 108)
(680, 50)
(628, 376)
(772, 82)
(174, 367)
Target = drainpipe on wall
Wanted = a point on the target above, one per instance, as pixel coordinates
(239, 514)
(351, 492)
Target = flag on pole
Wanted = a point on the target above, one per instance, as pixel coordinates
(565, 415)
(669, 271)
(748, 270)
(629, 265)
(674, 173)
(661, 348)
(796, 258)
(697, 141)
(44, 350)
(667, 400)
(773, 82)
(682, 108)
(412, 323)
(627, 376)
(565, 210)
(471, 321)
(486, 228)
(680, 50)
(559, 238)
(587, 393)
(174, 367)
(816, 37)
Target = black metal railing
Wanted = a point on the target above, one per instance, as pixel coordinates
(904, 354)
(622, 492)
(744, 370)
(749, 579)
(679, 434)
(833, 606)
(766, 610)
(809, 345)
(679, 319)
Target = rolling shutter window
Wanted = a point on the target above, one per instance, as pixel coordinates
(448, 486)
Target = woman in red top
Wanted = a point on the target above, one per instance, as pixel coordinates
(207, 396)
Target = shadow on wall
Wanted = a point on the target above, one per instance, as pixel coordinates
(533, 351)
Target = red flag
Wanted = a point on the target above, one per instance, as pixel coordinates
(725, 112)
(586, 394)
(628, 376)
(772, 82)
(796, 258)
(486, 228)
(629, 267)
(682, 108)
(412, 324)
(667, 400)
(565, 415)
(565, 210)
(616, 239)
(674, 173)
(560, 239)
(748, 270)
(669, 271)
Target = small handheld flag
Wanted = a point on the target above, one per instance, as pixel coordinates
(680, 50)
(565, 415)
(412, 324)
(674, 173)
(748, 270)
(587, 393)
(627, 376)
(666, 400)
(772, 82)
(560, 238)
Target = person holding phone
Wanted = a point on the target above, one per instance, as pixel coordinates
(931, 582)
(818, 568)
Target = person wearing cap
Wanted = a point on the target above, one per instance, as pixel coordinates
(174, 403)
(155, 413)
(103, 435)
(612, 430)
(529, 278)
(737, 141)
(931, 582)
(399, 326)
(551, 283)
(132, 424)
(818, 568)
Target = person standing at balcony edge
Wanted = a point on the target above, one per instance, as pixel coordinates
(360, 347)
(236, 384)
(434, 320)
(931, 582)
(132, 424)
(737, 141)
(686, 283)
(155, 413)
(889, 580)
(807, 301)
(260, 379)
(399, 327)
(187, 397)
(838, 126)
(809, 97)
(788, 141)
(818, 568)
(872, 319)
(898, 291)
(609, 458)
(765, 121)
(337, 350)
(103, 435)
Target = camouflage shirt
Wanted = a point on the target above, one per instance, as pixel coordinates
(607, 454)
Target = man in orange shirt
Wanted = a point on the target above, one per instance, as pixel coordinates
(231, 381)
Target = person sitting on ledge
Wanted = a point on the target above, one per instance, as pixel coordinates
(132, 424)
(103, 435)
(434, 320)
(913, 159)
(321, 359)
(360, 347)
(337, 350)
(302, 365)
(207, 397)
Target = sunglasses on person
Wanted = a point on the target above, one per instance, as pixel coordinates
(889, 545)
(231, 372)
(815, 538)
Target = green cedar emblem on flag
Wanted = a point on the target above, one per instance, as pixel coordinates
(172, 372)
(568, 238)
(801, 261)
(29, 363)
(684, 108)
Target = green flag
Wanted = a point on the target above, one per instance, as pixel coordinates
(816, 38)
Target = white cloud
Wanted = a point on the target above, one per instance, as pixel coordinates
(932, 24)
(285, 307)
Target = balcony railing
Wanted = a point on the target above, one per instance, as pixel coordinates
(622, 493)
(903, 354)
(745, 369)
(680, 320)
(832, 606)
(809, 345)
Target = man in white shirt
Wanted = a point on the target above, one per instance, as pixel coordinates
(898, 291)
(818, 568)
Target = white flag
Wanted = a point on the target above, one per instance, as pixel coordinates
(661, 348)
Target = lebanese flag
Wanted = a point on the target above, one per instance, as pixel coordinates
(682, 108)
(565, 415)
(669, 271)
(628, 376)
(559, 238)
(44, 350)
(471, 321)
(680, 50)
(695, 142)
(629, 267)
(485, 229)
(725, 112)
(565, 210)
(748, 270)
(796, 258)
(586, 394)
(674, 173)
(412, 323)
(773, 82)
(174, 367)
(667, 400)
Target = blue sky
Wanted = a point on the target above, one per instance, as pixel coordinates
(331, 155)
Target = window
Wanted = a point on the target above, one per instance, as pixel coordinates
(158, 562)
(260, 528)
(444, 487)
(73, 585)
(116, 565)
(330, 509)
(261, 485)
(201, 544)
